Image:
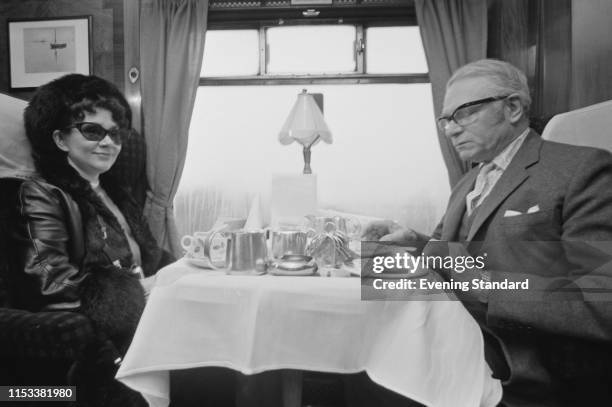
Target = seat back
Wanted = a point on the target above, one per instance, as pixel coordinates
(589, 126)
(15, 164)
(8, 257)
(15, 153)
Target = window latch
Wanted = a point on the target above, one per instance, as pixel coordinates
(360, 46)
(311, 12)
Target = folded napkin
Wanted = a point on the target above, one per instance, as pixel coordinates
(255, 220)
(15, 151)
(226, 223)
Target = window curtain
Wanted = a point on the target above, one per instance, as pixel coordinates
(171, 48)
(454, 33)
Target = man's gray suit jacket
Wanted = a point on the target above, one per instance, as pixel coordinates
(559, 332)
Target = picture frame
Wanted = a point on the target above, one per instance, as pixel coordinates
(44, 49)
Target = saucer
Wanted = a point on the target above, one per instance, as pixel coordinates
(277, 272)
(200, 263)
(293, 265)
(253, 272)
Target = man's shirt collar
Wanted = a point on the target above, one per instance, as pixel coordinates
(502, 160)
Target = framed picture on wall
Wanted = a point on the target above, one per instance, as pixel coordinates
(43, 49)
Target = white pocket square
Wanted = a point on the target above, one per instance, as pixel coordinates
(510, 212)
(534, 209)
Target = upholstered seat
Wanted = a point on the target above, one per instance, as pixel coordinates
(588, 126)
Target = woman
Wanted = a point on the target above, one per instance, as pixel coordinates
(83, 241)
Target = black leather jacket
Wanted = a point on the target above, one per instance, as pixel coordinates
(49, 236)
(48, 233)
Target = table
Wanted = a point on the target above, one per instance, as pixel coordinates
(429, 351)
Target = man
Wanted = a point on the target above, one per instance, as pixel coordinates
(538, 211)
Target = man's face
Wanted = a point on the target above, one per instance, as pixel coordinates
(489, 129)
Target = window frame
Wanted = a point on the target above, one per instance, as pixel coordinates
(360, 77)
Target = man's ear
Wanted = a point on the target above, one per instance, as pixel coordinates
(59, 140)
(515, 109)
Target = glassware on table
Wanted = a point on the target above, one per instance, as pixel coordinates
(288, 242)
(329, 243)
(347, 225)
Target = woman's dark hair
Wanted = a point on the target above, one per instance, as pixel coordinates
(60, 103)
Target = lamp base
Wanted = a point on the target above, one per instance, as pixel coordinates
(307, 169)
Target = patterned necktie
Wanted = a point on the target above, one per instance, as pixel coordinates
(473, 198)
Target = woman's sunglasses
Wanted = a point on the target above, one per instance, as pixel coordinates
(95, 132)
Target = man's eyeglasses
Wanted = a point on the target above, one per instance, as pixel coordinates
(95, 132)
(465, 114)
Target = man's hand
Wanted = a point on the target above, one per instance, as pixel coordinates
(388, 231)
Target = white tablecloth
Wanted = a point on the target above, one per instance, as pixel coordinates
(430, 351)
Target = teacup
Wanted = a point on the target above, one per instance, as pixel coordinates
(208, 248)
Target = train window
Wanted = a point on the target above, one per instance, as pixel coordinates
(231, 53)
(385, 159)
(314, 54)
(311, 49)
(407, 56)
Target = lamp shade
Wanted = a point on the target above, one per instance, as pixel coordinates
(304, 123)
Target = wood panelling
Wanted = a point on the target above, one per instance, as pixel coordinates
(555, 56)
(535, 36)
(107, 33)
(564, 46)
(132, 60)
(509, 34)
(591, 52)
(118, 40)
(513, 37)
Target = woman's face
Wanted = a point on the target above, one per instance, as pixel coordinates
(92, 158)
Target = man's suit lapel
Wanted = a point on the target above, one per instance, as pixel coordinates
(512, 177)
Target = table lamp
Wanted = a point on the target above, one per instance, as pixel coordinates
(306, 125)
